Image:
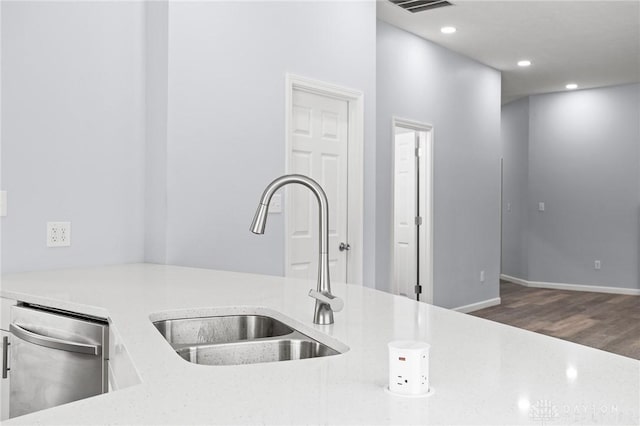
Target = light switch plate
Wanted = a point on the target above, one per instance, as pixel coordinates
(275, 206)
(3, 203)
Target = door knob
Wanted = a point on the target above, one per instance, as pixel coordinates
(344, 246)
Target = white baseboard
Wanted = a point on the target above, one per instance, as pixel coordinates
(477, 306)
(514, 280)
(572, 287)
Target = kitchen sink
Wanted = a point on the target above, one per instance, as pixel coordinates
(253, 352)
(241, 339)
(219, 329)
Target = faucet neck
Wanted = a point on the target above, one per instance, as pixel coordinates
(323, 313)
(321, 197)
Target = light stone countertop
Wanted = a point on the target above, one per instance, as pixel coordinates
(481, 372)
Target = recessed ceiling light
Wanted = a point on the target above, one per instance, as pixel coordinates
(571, 86)
(448, 30)
(524, 63)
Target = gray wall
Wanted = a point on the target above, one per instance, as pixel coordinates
(1, 186)
(515, 154)
(158, 126)
(156, 97)
(419, 80)
(226, 77)
(72, 132)
(583, 163)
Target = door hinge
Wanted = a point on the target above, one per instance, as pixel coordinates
(418, 289)
(418, 220)
(344, 246)
(418, 152)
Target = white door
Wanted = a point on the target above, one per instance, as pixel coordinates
(412, 225)
(405, 242)
(319, 148)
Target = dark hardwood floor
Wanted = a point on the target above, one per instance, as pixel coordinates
(610, 322)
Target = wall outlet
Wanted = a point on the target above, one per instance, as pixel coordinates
(58, 234)
(541, 207)
(508, 207)
(596, 265)
(481, 276)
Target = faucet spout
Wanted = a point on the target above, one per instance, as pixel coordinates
(326, 303)
(260, 219)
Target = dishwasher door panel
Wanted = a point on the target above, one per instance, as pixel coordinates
(42, 377)
(54, 360)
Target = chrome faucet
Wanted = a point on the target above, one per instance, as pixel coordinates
(326, 303)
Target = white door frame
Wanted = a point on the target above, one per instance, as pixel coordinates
(426, 205)
(355, 178)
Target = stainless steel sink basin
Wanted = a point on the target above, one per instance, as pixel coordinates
(239, 339)
(256, 352)
(219, 329)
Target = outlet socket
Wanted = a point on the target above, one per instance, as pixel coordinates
(596, 265)
(58, 234)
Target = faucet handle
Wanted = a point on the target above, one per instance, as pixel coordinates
(335, 303)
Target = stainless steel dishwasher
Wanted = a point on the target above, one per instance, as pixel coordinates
(56, 357)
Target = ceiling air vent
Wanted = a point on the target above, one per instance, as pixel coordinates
(415, 6)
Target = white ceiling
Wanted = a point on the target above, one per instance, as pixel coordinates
(591, 43)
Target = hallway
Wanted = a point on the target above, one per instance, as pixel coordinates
(610, 322)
